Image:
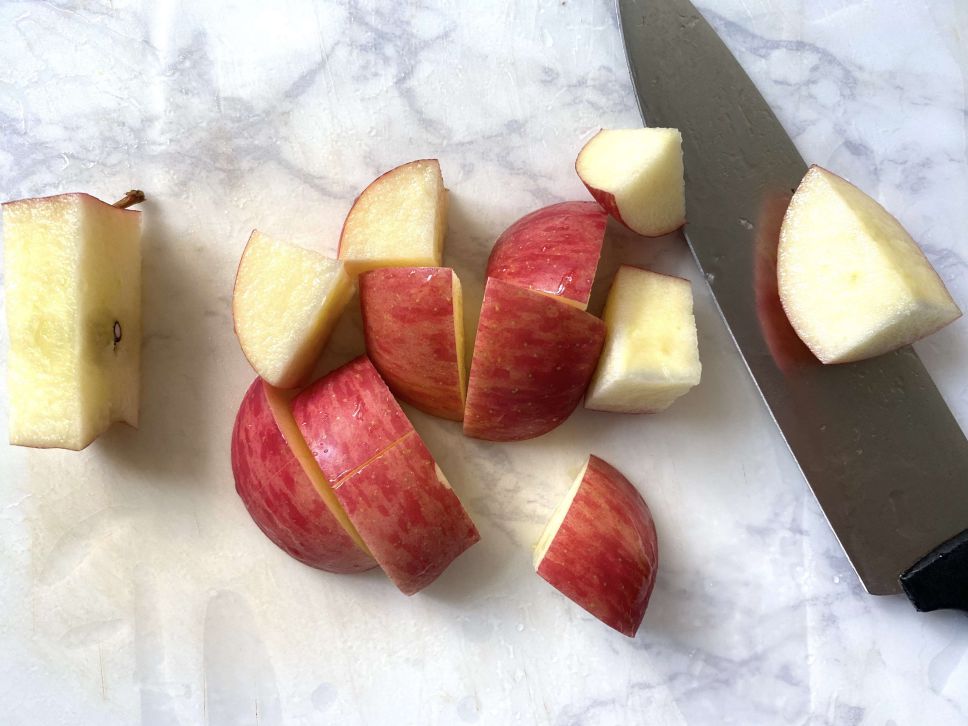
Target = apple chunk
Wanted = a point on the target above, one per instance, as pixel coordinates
(852, 281)
(383, 475)
(286, 301)
(398, 221)
(600, 548)
(651, 354)
(413, 323)
(73, 299)
(637, 177)
(553, 250)
(284, 493)
(533, 358)
(406, 511)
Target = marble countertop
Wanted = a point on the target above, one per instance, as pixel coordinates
(133, 586)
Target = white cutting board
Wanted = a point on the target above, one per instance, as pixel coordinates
(133, 586)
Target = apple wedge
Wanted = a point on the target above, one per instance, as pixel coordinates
(407, 513)
(283, 489)
(553, 250)
(852, 281)
(533, 358)
(398, 221)
(651, 354)
(286, 301)
(413, 323)
(72, 277)
(600, 548)
(637, 177)
(383, 475)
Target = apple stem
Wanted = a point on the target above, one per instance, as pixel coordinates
(135, 196)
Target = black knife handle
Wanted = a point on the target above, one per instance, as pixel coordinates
(939, 580)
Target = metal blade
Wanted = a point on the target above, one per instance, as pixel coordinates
(875, 440)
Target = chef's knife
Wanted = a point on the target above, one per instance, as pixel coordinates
(875, 440)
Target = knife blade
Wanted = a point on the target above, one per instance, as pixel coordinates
(875, 440)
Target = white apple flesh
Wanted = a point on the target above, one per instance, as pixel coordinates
(637, 177)
(73, 296)
(852, 281)
(651, 353)
(399, 220)
(286, 301)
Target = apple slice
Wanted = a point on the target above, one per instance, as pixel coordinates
(413, 322)
(382, 475)
(651, 354)
(73, 299)
(286, 301)
(600, 549)
(852, 281)
(553, 250)
(637, 177)
(533, 358)
(283, 489)
(398, 221)
(407, 513)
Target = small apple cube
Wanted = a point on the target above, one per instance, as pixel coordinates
(398, 221)
(73, 296)
(600, 547)
(651, 354)
(383, 476)
(852, 281)
(553, 250)
(533, 358)
(283, 489)
(413, 323)
(285, 304)
(637, 177)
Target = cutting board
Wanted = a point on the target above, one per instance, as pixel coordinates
(134, 588)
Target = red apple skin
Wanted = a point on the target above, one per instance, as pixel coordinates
(554, 250)
(413, 524)
(533, 359)
(605, 555)
(280, 497)
(347, 417)
(408, 324)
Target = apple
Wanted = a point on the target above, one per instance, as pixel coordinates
(413, 323)
(553, 250)
(651, 354)
(852, 281)
(383, 475)
(533, 358)
(398, 221)
(285, 493)
(407, 513)
(600, 548)
(637, 177)
(72, 276)
(285, 304)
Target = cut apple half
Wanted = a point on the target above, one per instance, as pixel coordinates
(553, 250)
(852, 281)
(413, 323)
(285, 304)
(73, 302)
(637, 177)
(398, 221)
(600, 548)
(651, 353)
